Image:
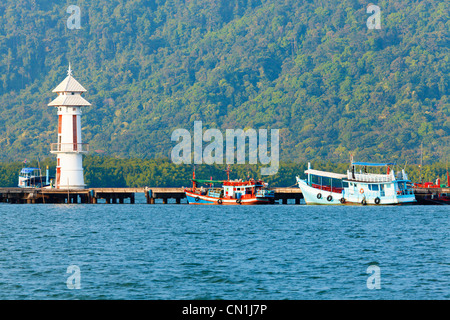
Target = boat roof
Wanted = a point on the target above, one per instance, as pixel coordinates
(28, 170)
(370, 164)
(242, 183)
(326, 174)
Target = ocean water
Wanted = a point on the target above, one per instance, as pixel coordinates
(211, 252)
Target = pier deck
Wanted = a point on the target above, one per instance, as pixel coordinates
(115, 195)
(120, 195)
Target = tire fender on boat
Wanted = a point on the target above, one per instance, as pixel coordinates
(319, 196)
(377, 200)
(197, 199)
(238, 201)
(342, 200)
(329, 198)
(364, 202)
(219, 201)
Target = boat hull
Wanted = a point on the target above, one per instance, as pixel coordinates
(197, 199)
(387, 201)
(314, 196)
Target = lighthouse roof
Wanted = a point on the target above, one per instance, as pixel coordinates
(69, 85)
(69, 101)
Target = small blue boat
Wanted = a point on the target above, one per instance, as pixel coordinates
(32, 178)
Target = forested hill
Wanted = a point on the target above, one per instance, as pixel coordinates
(309, 68)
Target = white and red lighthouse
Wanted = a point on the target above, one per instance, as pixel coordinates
(69, 149)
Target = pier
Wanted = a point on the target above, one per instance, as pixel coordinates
(428, 196)
(116, 195)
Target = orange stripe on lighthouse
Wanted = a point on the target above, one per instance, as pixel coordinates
(58, 177)
(59, 123)
(75, 135)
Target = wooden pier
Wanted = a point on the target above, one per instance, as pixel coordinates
(115, 195)
(159, 195)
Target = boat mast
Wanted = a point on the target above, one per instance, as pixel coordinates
(193, 180)
(421, 162)
(228, 172)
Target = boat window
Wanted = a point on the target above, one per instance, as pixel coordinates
(315, 179)
(374, 187)
(337, 183)
(344, 184)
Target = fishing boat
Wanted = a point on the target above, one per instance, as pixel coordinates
(237, 192)
(32, 178)
(377, 189)
(321, 187)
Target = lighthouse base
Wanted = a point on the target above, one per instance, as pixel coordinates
(69, 173)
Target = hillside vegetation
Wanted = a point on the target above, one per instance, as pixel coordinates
(107, 172)
(309, 68)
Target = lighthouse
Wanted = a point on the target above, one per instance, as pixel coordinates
(69, 149)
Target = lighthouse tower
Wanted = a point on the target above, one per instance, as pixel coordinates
(69, 149)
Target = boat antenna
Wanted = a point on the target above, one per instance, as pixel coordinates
(448, 178)
(39, 166)
(40, 178)
(193, 179)
(421, 163)
(228, 172)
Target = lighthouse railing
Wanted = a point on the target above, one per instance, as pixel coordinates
(69, 147)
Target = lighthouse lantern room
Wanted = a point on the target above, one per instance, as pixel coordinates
(69, 149)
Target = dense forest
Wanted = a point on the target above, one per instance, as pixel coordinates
(101, 171)
(309, 68)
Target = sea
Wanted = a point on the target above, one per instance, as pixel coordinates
(188, 252)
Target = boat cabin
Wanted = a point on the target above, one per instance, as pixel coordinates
(377, 187)
(327, 181)
(244, 189)
(32, 178)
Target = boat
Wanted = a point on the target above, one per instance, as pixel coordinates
(433, 193)
(363, 188)
(321, 187)
(32, 178)
(237, 192)
(375, 188)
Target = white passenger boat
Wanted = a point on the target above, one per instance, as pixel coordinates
(363, 188)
